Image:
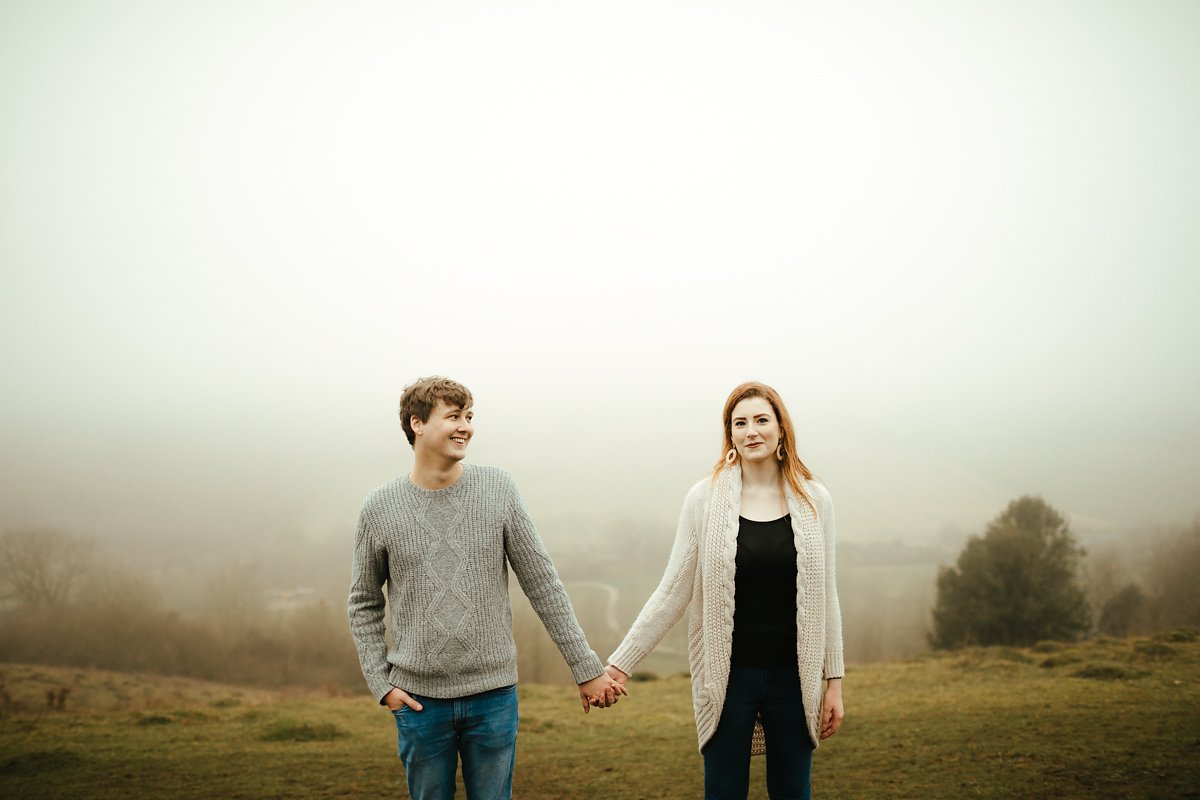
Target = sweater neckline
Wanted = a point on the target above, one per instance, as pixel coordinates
(468, 469)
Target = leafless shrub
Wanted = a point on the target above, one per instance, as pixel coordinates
(1173, 579)
(41, 568)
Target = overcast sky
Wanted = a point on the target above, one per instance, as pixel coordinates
(960, 238)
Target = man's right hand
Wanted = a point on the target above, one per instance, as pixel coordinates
(398, 698)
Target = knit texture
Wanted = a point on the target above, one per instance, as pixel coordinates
(443, 554)
(699, 579)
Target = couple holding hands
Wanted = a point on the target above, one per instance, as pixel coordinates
(752, 565)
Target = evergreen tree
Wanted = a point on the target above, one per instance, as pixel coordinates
(1015, 585)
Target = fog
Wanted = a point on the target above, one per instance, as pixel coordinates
(960, 241)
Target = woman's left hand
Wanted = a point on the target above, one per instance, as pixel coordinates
(832, 712)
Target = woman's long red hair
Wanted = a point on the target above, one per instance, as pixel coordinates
(791, 466)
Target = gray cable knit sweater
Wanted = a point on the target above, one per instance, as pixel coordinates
(443, 556)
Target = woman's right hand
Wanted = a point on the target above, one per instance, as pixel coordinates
(616, 674)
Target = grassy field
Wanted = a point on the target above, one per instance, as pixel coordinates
(1101, 719)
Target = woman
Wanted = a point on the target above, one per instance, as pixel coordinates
(753, 564)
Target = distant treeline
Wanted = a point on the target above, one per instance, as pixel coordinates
(65, 601)
(1152, 584)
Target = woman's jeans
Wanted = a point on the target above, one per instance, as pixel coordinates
(482, 728)
(773, 692)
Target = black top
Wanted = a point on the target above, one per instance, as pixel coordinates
(764, 616)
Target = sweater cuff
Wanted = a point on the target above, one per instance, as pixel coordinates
(379, 686)
(626, 658)
(835, 667)
(587, 669)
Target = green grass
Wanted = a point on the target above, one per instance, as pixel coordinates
(1111, 718)
(287, 730)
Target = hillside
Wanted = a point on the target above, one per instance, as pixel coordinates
(1110, 718)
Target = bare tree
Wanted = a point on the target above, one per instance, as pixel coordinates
(1106, 571)
(1124, 612)
(234, 598)
(1174, 578)
(41, 568)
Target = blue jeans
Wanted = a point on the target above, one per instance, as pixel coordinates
(482, 728)
(773, 692)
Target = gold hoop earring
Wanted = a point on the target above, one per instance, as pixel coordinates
(731, 456)
(779, 452)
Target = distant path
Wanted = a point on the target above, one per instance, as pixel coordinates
(610, 613)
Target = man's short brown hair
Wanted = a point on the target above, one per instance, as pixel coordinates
(421, 398)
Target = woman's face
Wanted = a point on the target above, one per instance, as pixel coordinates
(754, 429)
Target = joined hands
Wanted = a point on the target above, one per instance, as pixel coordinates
(603, 690)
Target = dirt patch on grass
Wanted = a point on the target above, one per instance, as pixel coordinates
(1060, 660)
(288, 731)
(1108, 672)
(154, 719)
(1155, 651)
(41, 761)
(190, 715)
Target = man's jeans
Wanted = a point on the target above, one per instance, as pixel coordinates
(481, 727)
(775, 693)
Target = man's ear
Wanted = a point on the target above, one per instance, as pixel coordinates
(416, 424)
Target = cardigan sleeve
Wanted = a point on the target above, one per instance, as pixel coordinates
(668, 602)
(834, 666)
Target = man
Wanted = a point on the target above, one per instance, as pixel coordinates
(441, 539)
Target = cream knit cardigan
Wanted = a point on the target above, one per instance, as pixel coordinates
(700, 579)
